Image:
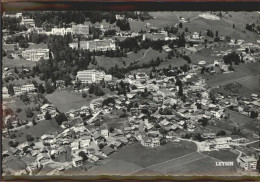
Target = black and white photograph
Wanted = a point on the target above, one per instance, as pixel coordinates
(130, 93)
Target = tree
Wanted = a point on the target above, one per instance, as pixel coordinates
(15, 70)
(11, 90)
(91, 89)
(60, 118)
(18, 110)
(23, 43)
(253, 114)
(47, 116)
(185, 125)
(84, 95)
(180, 25)
(13, 143)
(216, 34)
(48, 87)
(83, 155)
(111, 129)
(186, 29)
(29, 138)
(29, 112)
(108, 101)
(221, 133)
(198, 137)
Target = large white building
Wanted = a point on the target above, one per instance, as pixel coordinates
(96, 45)
(23, 89)
(247, 162)
(35, 54)
(80, 29)
(28, 22)
(92, 76)
(61, 31)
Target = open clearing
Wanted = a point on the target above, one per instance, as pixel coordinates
(224, 155)
(65, 100)
(191, 164)
(11, 63)
(243, 72)
(135, 157)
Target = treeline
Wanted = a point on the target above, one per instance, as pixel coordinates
(66, 17)
(33, 37)
(12, 25)
(123, 25)
(232, 58)
(120, 72)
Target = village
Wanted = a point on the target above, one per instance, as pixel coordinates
(151, 107)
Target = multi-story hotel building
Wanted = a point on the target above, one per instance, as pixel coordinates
(28, 22)
(92, 76)
(61, 31)
(23, 89)
(95, 45)
(35, 54)
(80, 29)
(248, 162)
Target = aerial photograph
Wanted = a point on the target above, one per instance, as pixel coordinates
(130, 93)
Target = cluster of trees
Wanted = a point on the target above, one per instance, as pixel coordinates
(95, 89)
(252, 27)
(187, 58)
(203, 121)
(210, 33)
(66, 17)
(232, 58)
(171, 29)
(123, 25)
(37, 38)
(221, 133)
(60, 118)
(108, 101)
(236, 131)
(109, 33)
(165, 111)
(13, 25)
(21, 40)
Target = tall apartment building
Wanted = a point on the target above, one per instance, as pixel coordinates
(35, 54)
(92, 76)
(80, 29)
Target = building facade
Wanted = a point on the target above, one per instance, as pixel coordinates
(248, 162)
(35, 54)
(23, 89)
(80, 29)
(28, 22)
(101, 45)
(91, 76)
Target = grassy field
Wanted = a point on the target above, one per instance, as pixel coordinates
(14, 103)
(144, 157)
(192, 164)
(255, 145)
(41, 128)
(11, 63)
(135, 157)
(64, 101)
(243, 72)
(203, 166)
(245, 123)
(222, 155)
